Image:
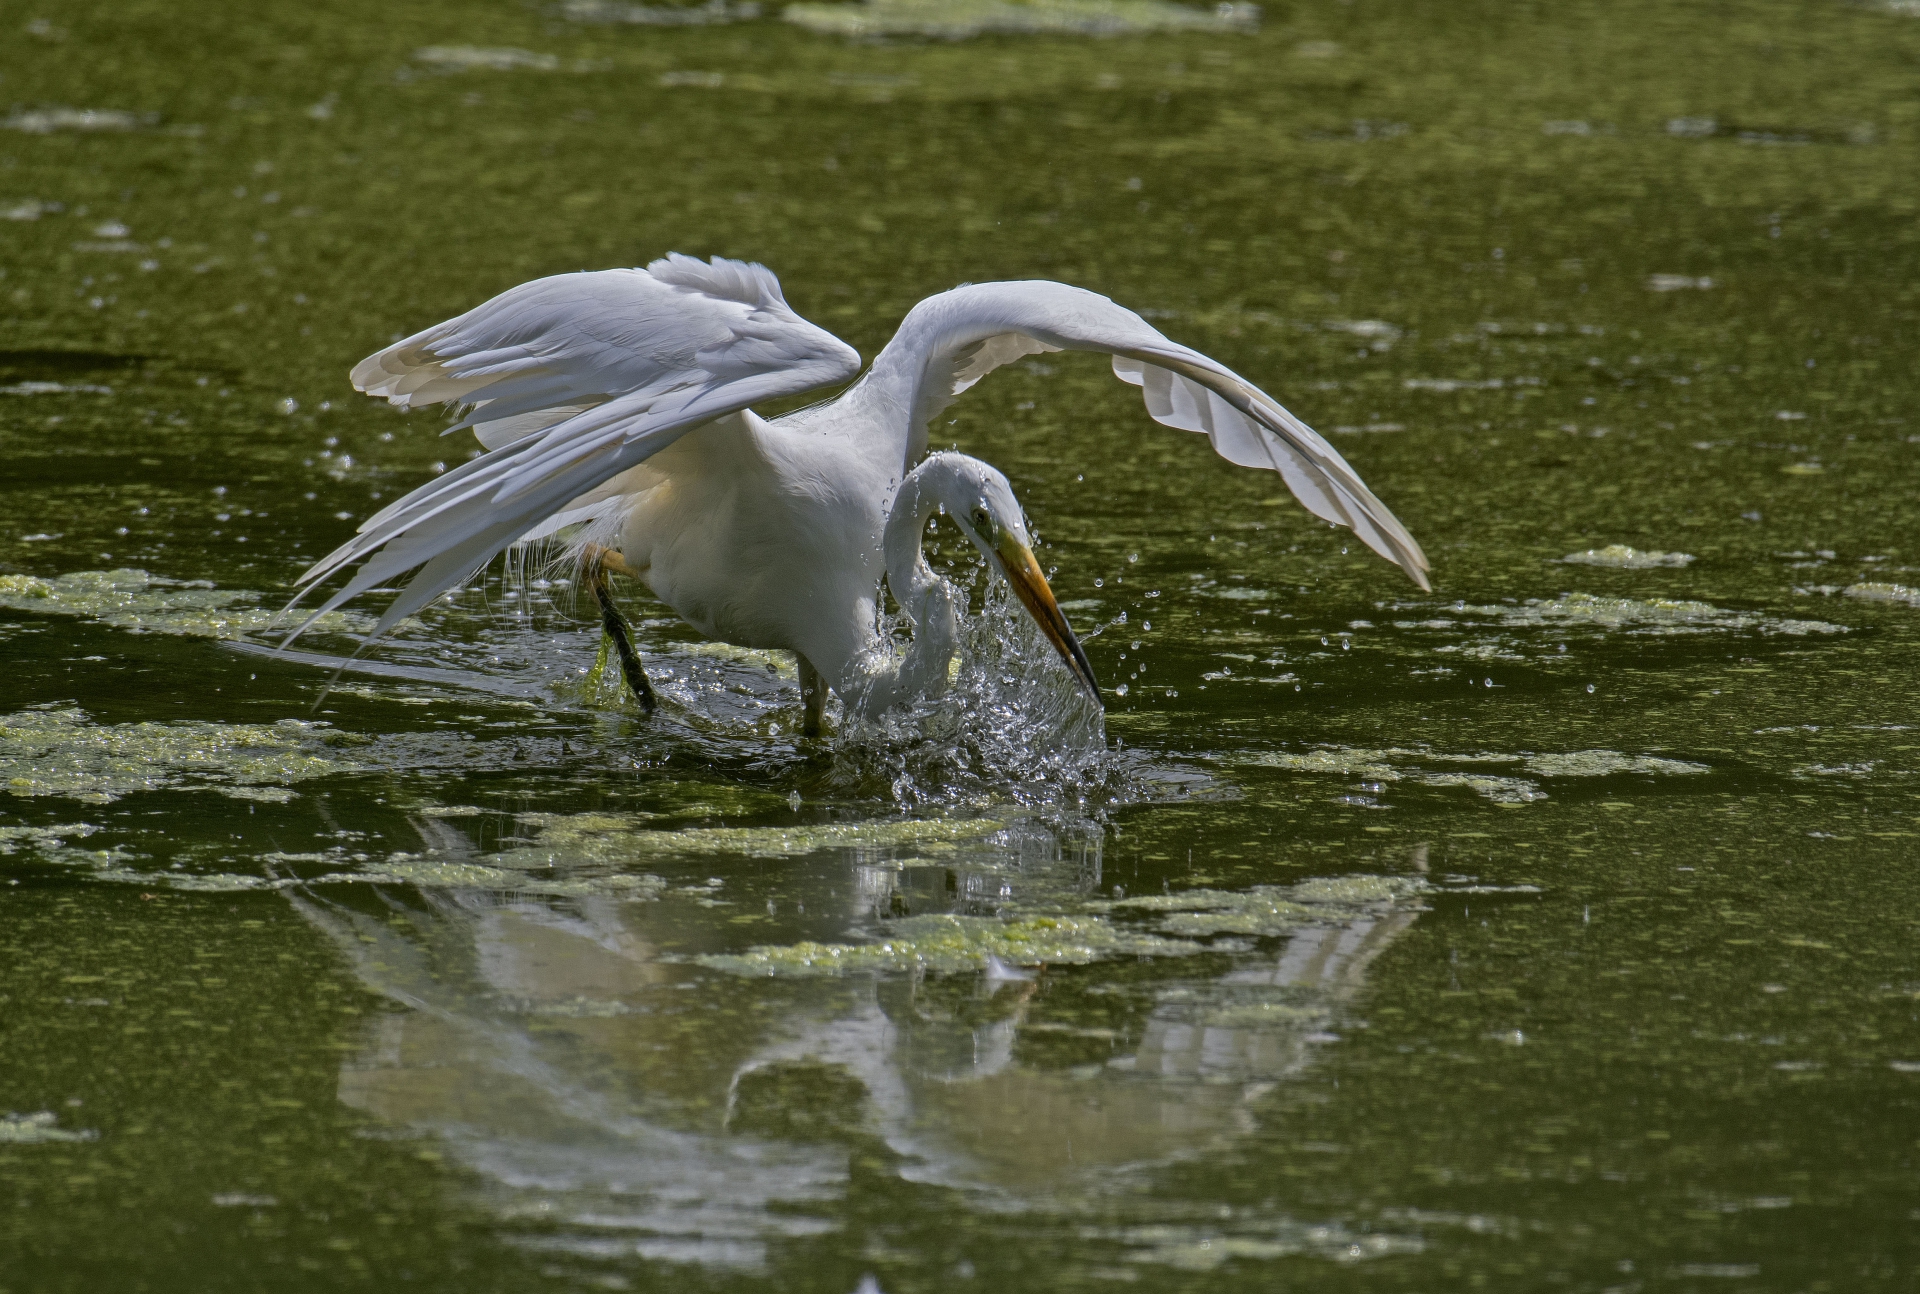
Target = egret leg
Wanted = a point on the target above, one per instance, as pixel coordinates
(598, 562)
(813, 695)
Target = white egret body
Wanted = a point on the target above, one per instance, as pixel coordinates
(620, 398)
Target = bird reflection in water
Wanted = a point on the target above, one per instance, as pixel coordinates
(611, 1104)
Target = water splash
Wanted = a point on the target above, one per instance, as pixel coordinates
(1012, 726)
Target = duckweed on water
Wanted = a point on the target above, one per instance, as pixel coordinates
(141, 602)
(1273, 910)
(1606, 763)
(62, 752)
(1627, 558)
(466, 1048)
(1636, 615)
(605, 838)
(1203, 1249)
(945, 942)
(432, 873)
(1401, 764)
(959, 19)
(14, 839)
(1874, 592)
(36, 1129)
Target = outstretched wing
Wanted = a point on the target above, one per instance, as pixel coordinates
(950, 341)
(568, 381)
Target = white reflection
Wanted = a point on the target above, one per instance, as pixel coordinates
(611, 1105)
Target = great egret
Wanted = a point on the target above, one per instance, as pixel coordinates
(619, 399)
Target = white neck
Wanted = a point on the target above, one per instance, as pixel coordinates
(930, 602)
(914, 376)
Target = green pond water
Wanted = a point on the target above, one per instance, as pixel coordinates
(1553, 931)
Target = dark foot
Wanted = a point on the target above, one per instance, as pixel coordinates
(813, 695)
(616, 626)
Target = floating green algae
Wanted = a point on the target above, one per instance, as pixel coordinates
(959, 19)
(1402, 764)
(1650, 615)
(1878, 592)
(1272, 910)
(34, 1129)
(1202, 1248)
(581, 1008)
(1606, 763)
(1391, 765)
(1628, 558)
(141, 602)
(1263, 1015)
(1357, 891)
(432, 873)
(63, 752)
(946, 942)
(197, 882)
(611, 838)
(54, 845)
(1501, 790)
(14, 839)
(1636, 615)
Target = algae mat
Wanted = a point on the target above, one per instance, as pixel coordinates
(1554, 931)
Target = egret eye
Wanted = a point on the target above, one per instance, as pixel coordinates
(982, 519)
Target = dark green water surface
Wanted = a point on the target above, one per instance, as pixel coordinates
(1555, 931)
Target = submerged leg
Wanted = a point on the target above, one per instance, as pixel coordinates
(598, 562)
(813, 695)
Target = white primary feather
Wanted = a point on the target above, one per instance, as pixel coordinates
(568, 381)
(950, 341)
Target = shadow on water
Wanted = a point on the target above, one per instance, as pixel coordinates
(64, 363)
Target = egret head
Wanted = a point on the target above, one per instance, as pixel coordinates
(981, 503)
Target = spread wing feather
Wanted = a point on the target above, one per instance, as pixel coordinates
(568, 381)
(950, 341)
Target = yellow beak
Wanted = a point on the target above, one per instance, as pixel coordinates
(1030, 586)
